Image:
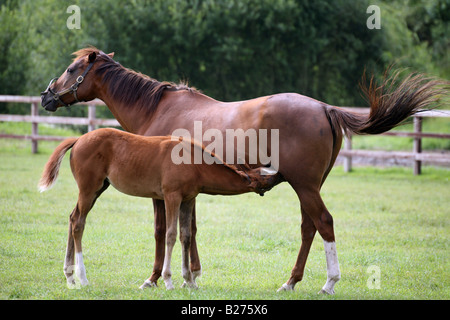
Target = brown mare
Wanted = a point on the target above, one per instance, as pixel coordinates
(310, 133)
(143, 166)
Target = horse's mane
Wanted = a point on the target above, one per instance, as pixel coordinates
(128, 86)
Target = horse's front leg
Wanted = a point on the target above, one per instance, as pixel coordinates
(172, 203)
(196, 267)
(186, 211)
(160, 242)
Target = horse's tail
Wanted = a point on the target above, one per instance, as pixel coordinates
(51, 169)
(390, 103)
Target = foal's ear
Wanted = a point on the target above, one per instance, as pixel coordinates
(92, 56)
(111, 55)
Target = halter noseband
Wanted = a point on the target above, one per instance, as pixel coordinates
(72, 89)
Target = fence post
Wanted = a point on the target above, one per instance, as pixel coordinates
(417, 146)
(348, 159)
(34, 128)
(91, 117)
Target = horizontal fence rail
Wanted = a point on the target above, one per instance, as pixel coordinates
(416, 156)
(91, 121)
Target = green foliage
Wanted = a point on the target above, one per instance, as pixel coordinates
(234, 49)
(416, 34)
(242, 49)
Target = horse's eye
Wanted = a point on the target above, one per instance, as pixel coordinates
(69, 70)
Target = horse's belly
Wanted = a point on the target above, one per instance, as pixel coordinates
(136, 187)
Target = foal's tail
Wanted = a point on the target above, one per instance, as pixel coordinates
(51, 169)
(390, 103)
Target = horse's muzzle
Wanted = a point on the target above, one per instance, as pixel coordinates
(47, 98)
(50, 107)
(47, 101)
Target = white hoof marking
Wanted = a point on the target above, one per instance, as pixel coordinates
(147, 284)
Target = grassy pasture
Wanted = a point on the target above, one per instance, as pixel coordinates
(385, 219)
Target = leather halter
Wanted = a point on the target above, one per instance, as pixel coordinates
(72, 89)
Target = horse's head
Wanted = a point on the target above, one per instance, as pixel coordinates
(76, 84)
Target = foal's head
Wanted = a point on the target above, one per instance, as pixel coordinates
(261, 179)
(77, 83)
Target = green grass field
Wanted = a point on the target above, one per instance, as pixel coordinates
(385, 219)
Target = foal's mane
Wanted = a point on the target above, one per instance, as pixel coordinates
(128, 86)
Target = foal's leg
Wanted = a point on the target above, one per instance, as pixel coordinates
(172, 202)
(69, 262)
(196, 266)
(186, 211)
(160, 241)
(77, 221)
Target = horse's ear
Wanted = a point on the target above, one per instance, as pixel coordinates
(92, 56)
(111, 55)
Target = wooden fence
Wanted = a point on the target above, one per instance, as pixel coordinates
(417, 156)
(91, 121)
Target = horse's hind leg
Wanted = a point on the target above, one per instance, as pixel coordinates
(186, 216)
(69, 262)
(323, 221)
(315, 217)
(308, 232)
(77, 221)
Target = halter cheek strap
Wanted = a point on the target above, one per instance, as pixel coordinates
(72, 89)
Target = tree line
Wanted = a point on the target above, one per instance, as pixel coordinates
(231, 49)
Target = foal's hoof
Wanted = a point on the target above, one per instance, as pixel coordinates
(148, 284)
(326, 292)
(84, 282)
(189, 285)
(76, 284)
(72, 285)
(286, 287)
(196, 274)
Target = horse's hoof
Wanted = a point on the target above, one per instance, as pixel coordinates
(84, 282)
(196, 274)
(72, 284)
(148, 284)
(323, 291)
(189, 285)
(286, 287)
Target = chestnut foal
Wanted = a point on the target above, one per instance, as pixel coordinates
(143, 166)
